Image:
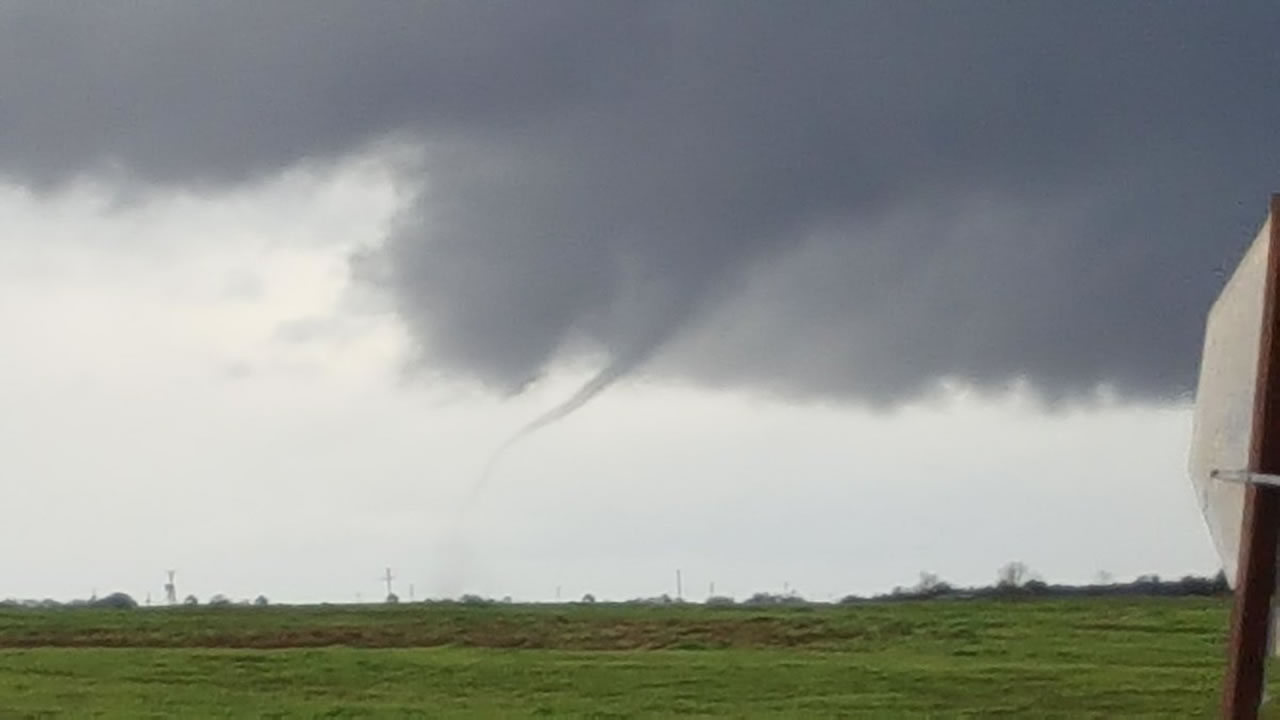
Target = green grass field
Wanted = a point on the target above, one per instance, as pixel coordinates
(1113, 658)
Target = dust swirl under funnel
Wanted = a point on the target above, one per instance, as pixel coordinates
(452, 572)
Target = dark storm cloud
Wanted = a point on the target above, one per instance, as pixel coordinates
(834, 198)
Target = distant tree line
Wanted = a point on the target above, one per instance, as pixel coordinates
(1013, 580)
(124, 601)
(1016, 580)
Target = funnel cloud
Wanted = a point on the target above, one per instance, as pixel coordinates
(839, 200)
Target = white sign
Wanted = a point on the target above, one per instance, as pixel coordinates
(1223, 421)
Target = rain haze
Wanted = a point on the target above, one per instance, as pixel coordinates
(836, 292)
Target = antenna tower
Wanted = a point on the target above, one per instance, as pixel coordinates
(171, 590)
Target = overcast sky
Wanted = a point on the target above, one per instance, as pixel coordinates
(840, 292)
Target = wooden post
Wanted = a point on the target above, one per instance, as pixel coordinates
(1260, 526)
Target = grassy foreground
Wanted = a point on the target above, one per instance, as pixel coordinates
(1045, 658)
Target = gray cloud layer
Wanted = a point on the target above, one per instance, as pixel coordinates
(814, 198)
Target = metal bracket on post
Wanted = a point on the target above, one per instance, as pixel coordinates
(1244, 477)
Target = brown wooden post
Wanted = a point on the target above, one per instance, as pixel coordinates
(1260, 526)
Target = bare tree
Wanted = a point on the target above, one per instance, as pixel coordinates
(1013, 575)
(930, 585)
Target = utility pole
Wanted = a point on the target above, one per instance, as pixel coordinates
(170, 589)
(388, 577)
(679, 587)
